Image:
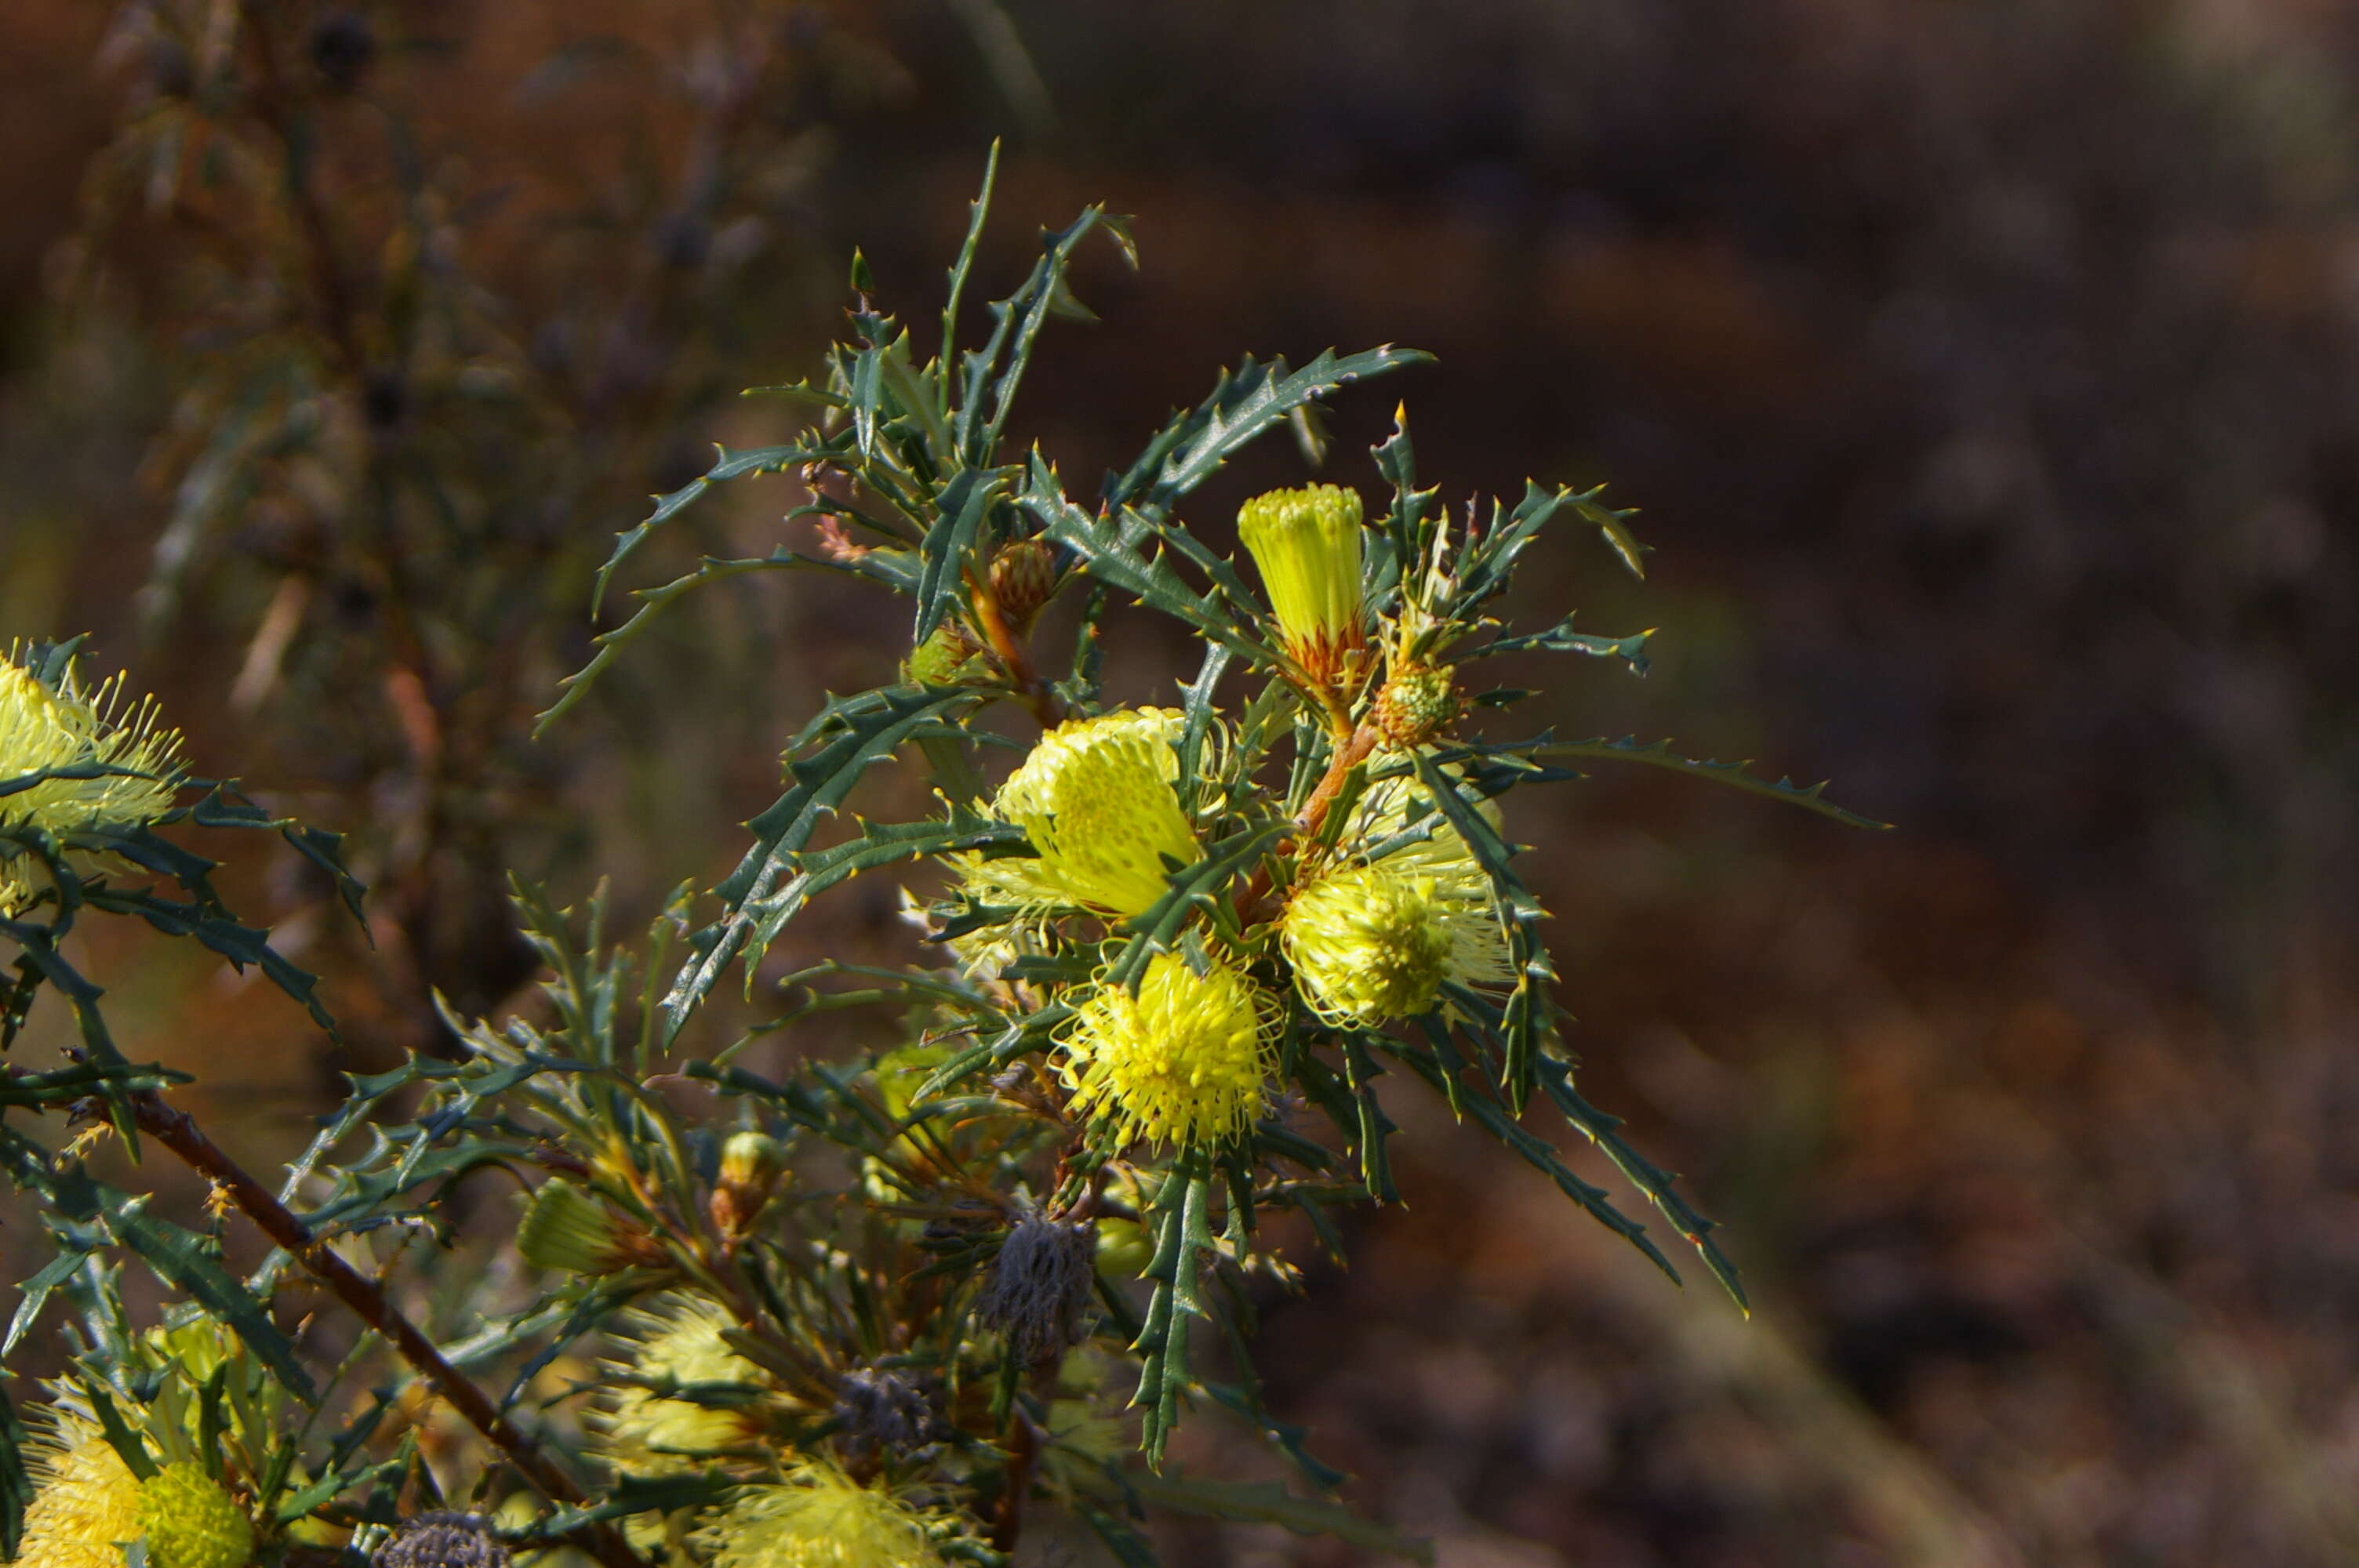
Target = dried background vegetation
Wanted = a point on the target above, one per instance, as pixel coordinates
(1988, 376)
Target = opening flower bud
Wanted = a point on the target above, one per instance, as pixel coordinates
(1305, 543)
(751, 1164)
(568, 1229)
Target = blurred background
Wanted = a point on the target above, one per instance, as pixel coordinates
(1987, 375)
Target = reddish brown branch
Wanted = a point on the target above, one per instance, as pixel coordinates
(176, 1131)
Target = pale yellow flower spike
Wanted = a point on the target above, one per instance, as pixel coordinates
(1096, 797)
(85, 1502)
(1182, 1062)
(648, 1434)
(41, 729)
(820, 1518)
(1375, 941)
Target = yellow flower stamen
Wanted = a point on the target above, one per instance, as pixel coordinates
(43, 729)
(1182, 1062)
(85, 1504)
(1096, 797)
(820, 1518)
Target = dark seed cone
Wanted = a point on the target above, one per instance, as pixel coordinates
(1038, 1294)
(441, 1539)
(1417, 703)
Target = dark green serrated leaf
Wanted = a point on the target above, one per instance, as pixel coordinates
(1244, 404)
(950, 544)
(182, 1260)
(1182, 1221)
(1659, 754)
(1602, 1129)
(860, 732)
(16, 1480)
(1529, 1016)
(726, 466)
(1189, 889)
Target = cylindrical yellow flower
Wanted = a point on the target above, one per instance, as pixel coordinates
(44, 728)
(651, 1434)
(1182, 1062)
(188, 1521)
(820, 1518)
(1097, 798)
(1306, 544)
(85, 1502)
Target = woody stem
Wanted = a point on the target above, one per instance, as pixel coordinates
(179, 1132)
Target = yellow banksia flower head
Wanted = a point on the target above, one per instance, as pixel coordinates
(1370, 943)
(1098, 799)
(42, 728)
(820, 1518)
(1183, 1062)
(190, 1522)
(681, 1339)
(85, 1502)
(1306, 544)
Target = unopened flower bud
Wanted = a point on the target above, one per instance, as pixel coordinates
(945, 658)
(188, 1521)
(1306, 544)
(1039, 1293)
(751, 1164)
(1418, 702)
(442, 1539)
(568, 1229)
(1023, 579)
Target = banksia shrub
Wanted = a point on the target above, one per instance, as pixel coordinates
(931, 1302)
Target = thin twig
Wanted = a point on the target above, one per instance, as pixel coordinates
(176, 1131)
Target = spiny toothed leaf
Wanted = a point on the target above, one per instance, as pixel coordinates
(726, 466)
(949, 548)
(182, 1260)
(1561, 638)
(858, 733)
(1187, 890)
(1602, 1129)
(1244, 403)
(1124, 552)
(1529, 1020)
(1659, 754)
(609, 644)
(1183, 1233)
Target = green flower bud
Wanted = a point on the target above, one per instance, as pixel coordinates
(190, 1522)
(751, 1164)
